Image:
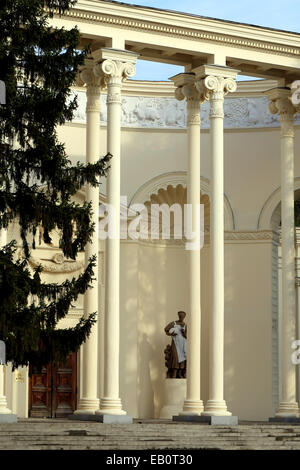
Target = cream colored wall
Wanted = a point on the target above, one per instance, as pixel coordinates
(252, 162)
(150, 298)
(248, 329)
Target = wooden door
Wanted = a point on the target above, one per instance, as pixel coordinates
(64, 388)
(52, 393)
(40, 394)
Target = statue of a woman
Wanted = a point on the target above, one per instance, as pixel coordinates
(176, 352)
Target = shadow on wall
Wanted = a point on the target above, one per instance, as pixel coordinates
(145, 391)
(161, 292)
(248, 362)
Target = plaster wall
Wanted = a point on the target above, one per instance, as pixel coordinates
(161, 285)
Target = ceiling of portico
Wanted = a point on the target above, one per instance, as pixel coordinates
(187, 40)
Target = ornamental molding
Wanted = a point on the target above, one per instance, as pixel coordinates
(229, 236)
(262, 235)
(58, 264)
(194, 32)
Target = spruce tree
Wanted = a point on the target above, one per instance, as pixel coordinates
(38, 64)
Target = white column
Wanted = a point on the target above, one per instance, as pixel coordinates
(88, 402)
(298, 336)
(280, 102)
(116, 66)
(6, 415)
(193, 404)
(216, 81)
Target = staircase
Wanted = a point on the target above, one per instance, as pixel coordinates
(47, 434)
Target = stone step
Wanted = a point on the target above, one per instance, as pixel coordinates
(44, 434)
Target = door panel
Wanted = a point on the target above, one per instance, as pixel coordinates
(52, 393)
(64, 384)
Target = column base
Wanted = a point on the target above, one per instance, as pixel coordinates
(285, 420)
(216, 408)
(104, 419)
(6, 415)
(111, 406)
(192, 408)
(87, 406)
(8, 418)
(288, 410)
(211, 420)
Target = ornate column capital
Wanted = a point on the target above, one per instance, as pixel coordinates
(94, 82)
(215, 82)
(186, 89)
(280, 102)
(295, 98)
(114, 67)
(117, 71)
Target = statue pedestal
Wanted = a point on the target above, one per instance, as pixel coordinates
(174, 396)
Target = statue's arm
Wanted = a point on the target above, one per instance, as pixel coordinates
(168, 328)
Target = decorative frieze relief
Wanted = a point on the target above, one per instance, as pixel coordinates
(169, 113)
(57, 264)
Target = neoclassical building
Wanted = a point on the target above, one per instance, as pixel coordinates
(202, 137)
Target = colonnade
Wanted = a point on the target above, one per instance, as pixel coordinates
(108, 68)
(207, 82)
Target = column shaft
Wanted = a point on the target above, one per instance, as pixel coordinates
(4, 410)
(280, 102)
(216, 87)
(116, 69)
(186, 88)
(112, 279)
(89, 402)
(217, 262)
(193, 404)
(289, 405)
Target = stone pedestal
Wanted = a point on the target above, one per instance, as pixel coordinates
(210, 420)
(104, 419)
(174, 396)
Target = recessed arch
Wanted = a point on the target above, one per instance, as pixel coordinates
(269, 217)
(144, 193)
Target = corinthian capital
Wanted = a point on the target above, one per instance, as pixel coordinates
(216, 86)
(94, 83)
(280, 102)
(215, 82)
(186, 89)
(88, 75)
(117, 71)
(295, 98)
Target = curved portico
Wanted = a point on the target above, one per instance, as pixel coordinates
(212, 52)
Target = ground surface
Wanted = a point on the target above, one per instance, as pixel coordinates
(46, 434)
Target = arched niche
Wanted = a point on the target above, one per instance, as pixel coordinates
(172, 187)
(270, 215)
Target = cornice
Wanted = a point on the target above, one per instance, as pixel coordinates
(186, 26)
(167, 89)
